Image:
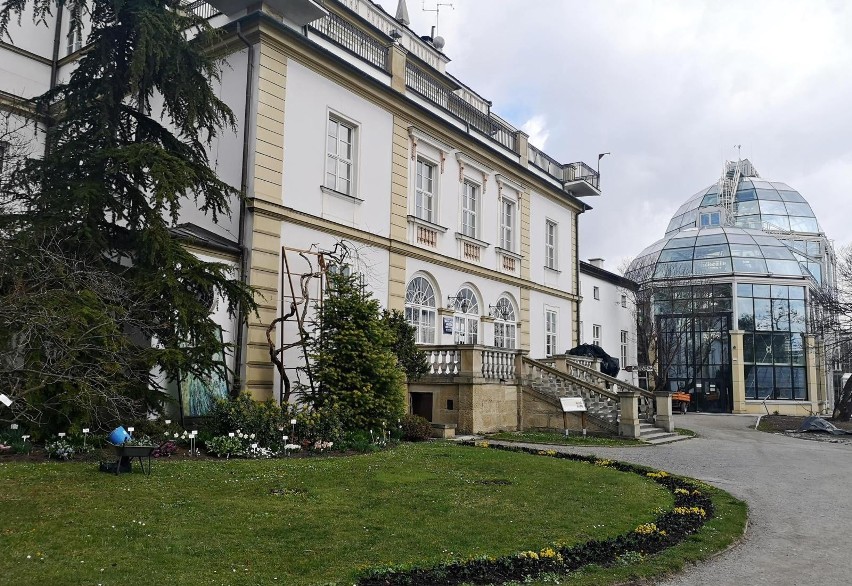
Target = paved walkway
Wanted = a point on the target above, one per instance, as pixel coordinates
(799, 494)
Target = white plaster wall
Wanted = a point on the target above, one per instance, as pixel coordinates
(611, 316)
(310, 100)
(23, 76)
(543, 209)
(539, 302)
(33, 37)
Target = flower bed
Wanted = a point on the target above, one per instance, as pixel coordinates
(692, 509)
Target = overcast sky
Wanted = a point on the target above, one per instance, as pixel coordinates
(668, 87)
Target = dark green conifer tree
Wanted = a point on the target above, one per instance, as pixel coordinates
(126, 148)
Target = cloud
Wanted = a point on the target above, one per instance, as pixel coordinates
(536, 128)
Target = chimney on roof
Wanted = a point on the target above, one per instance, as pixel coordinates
(596, 262)
(402, 13)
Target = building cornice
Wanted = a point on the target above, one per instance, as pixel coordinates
(603, 274)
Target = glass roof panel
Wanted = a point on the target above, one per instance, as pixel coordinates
(745, 208)
(784, 267)
(799, 209)
(746, 250)
(777, 222)
(711, 199)
(713, 266)
(768, 194)
(740, 238)
(773, 207)
(676, 254)
(761, 184)
(673, 269)
(712, 251)
(765, 239)
(745, 195)
(781, 186)
(791, 196)
(778, 252)
(750, 265)
(798, 224)
(681, 242)
(707, 237)
(752, 222)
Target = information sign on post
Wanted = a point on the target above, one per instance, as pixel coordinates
(573, 405)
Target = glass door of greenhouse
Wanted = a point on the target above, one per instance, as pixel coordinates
(695, 352)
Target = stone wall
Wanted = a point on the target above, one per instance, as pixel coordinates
(541, 411)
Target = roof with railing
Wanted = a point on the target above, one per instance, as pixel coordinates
(364, 30)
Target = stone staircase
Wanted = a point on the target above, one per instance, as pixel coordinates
(654, 435)
(577, 377)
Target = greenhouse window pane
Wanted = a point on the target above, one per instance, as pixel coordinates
(763, 239)
(746, 250)
(707, 238)
(676, 254)
(779, 291)
(750, 375)
(761, 290)
(770, 194)
(764, 382)
(796, 292)
(710, 199)
(781, 348)
(777, 252)
(791, 196)
(743, 290)
(772, 207)
(762, 314)
(800, 388)
(713, 251)
(713, 266)
(798, 224)
(750, 265)
(783, 383)
(812, 248)
(777, 222)
(745, 195)
(748, 348)
(797, 349)
(798, 209)
(745, 313)
(673, 269)
(816, 271)
(688, 241)
(784, 267)
(745, 208)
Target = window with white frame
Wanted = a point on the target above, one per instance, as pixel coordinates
(424, 199)
(420, 309)
(624, 301)
(466, 317)
(582, 338)
(75, 40)
(596, 334)
(505, 324)
(623, 348)
(507, 225)
(470, 209)
(340, 159)
(550, 242)
(551, 341)
(596, 292)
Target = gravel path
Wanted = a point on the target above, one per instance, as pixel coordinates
(799, 495)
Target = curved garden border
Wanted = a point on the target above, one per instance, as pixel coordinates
(692, 509)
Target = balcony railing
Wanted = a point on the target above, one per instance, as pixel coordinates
(202, 9)
(439, 94)
(353, 39)
(582, 172)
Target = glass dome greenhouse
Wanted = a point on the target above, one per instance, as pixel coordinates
(724, 298)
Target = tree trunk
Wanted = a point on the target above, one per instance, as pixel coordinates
(843, 409)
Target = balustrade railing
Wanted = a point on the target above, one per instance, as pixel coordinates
(582, 172)
(498, 364)
(443, 360)
(432, 89)
(202, 9)
(353, 38)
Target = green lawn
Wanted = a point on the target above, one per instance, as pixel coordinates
(304, 521)
(557, 438)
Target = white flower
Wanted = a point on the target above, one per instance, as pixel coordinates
(251, 436)
(176, 435)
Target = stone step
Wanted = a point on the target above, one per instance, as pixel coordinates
(665, 439)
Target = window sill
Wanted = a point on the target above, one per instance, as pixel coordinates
(471, 240)
(508, 253)
(341, 195)
(425, 224)
(552, 270)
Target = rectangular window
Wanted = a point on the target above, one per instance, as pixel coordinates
(425, 191)
(710, 219)
(596, 334)
(596, 292)
(470, 206)
(550, 334)
(507, 226)
(75, 41)
(340, 160)
(623, 348)
(550, 242)
(624, 301)
(504, 335)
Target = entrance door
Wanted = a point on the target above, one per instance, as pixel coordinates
(421, 404)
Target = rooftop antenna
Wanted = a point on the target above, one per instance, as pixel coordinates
(437, 11)
(739, 148)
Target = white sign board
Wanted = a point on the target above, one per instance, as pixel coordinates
(572, 404)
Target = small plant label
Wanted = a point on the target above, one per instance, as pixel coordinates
(168, 421)
(14, 426)
(25, 437)
(61, 434)
(85, 430)
(231, 434)
(5, 400)
(292, 422)
(131, 429)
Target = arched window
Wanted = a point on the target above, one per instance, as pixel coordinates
(505, 324)
(466, 317)
(420, 309)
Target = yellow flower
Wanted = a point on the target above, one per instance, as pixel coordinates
(690, 511)
(603, 462)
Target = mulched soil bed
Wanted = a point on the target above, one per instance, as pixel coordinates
(789, 425)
